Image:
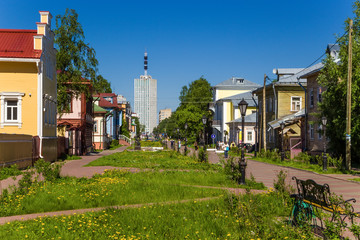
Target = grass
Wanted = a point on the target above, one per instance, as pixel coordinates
(113, 147)
(10, 171)
(150, 144)
(114, 187)
(355, 179)
(64, 157)
(300, 165)
(152, 160)
(224, 218)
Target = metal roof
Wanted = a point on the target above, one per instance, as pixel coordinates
(237, 83)
(18, 44)
(251, 118)
(247, 96)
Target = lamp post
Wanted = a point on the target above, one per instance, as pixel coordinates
(242, 107)
(186, 126)
(324, 121)
(282, 126)
(178, 137)
(204, 120)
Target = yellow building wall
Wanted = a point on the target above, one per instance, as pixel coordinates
(284, 107)
(21, 77)
(227, 93)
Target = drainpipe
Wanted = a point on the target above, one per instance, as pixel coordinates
(275, 102)
(256, 126)
(306, 115)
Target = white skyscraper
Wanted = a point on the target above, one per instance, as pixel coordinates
(145, 96)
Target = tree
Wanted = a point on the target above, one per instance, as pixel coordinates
(75, 61)
(333, 77)
(124, 129)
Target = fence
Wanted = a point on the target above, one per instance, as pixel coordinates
(17, 149)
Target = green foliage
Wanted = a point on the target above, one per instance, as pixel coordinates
(25, 183)
(334, 78)
(75, 61)
(213, 219)
(64, 157)
(232, 171)
(281, 186)
(150, 143)
(153, 160)
(194, 100)
(202, 155)
(10, 171)
(124, 130)
(50, 172)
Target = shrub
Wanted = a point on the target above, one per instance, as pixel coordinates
(49, 171)
(202, 155)
(303, 157)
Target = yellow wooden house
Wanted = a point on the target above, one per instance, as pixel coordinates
(28, 84)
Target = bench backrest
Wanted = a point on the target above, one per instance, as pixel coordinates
(313, 192)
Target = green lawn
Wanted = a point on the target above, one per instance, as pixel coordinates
(114, 187)
(252, 217)
(300, 165)
(153, 160)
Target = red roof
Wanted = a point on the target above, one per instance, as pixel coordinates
(104, 100)
(18, 44)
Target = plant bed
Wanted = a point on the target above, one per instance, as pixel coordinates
(224, 218)
(152, 160)
(114, 187)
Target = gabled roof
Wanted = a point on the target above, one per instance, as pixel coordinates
(298, 76)
(18, 44)
(103, 100)
(251, 118)
(237, 83)
(288, 119)
(98, 109)
(247, 96)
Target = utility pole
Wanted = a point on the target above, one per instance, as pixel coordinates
(348, 104)
(264, 115)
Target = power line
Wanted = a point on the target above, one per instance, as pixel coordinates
(337, 41)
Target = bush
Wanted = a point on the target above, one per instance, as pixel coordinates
(202, 155)
(304, 157)
(114, 142)
(49, 171)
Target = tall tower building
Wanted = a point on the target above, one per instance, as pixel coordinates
(145, 96)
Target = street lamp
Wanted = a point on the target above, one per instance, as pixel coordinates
(282, 126)
(186, 126)
(242, 107)
(324, 121)
(204, 119)
(178, 137)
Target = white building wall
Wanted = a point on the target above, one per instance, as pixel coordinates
(145, 98)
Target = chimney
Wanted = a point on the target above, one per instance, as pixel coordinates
(43, 29)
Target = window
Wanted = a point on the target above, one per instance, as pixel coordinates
(319, 94)
(311, 129)
(95, 126)
(11, 108)
(320, 132)
(11, 114)
(311, 98)
(295, 103)
(249, 136)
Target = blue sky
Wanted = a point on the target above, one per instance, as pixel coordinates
(189, 39)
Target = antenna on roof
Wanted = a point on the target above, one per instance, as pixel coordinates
(145, 62)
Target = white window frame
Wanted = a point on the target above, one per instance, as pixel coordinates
(249, 136)
(4, 97)
(320, 132)
(311, 98)
(95, 130)
(295, 110)
(311, 130)
(319, 94)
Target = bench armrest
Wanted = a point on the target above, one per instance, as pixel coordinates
(351, 200)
